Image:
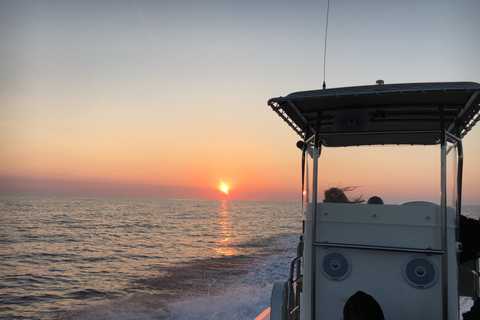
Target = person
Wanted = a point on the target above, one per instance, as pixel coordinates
(375, 200)
(469, 238)
(337, 195)
(362, 306)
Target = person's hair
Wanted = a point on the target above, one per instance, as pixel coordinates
(362, 306)
(337, 195)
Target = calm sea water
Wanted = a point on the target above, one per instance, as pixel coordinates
(81, 258)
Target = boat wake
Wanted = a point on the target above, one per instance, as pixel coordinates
(233, 288)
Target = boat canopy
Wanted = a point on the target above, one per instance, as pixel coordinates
(414, 113)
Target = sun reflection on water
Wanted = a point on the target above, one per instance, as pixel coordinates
(224, 243)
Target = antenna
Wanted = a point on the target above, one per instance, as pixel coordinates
(325, 46)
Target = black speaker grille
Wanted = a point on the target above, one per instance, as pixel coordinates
(336, 265)
(420, 272)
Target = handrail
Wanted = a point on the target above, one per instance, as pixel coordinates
(293, 309)
(381, 248)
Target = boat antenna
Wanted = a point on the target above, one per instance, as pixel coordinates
(325, 46)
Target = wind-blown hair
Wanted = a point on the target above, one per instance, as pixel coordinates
(337, 195)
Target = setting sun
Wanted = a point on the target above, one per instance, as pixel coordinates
(224, 188)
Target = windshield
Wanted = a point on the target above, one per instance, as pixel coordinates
(396, 174)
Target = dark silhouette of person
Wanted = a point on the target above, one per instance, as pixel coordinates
(470, 238)
(375, 200)
(362, 306)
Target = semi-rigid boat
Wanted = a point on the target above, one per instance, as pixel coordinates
(405, 255)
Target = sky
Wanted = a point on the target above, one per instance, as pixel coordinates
(168, 99)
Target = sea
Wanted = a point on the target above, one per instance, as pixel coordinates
(94, 258)
(98, 258)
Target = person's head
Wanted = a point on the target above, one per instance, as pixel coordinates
(337, 195)
(362, 306)
(375, 200)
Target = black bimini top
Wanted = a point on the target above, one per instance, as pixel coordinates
(414, 113)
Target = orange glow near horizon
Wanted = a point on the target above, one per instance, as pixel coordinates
(396, 174)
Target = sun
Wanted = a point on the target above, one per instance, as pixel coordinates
(224, 188)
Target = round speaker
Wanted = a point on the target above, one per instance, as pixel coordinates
(420, 272)
(336, 265)
(351, 120)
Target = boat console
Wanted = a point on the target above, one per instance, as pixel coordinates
(392, 252)
(404, 255)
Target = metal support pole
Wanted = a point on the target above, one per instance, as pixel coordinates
(443, 213)
(458, 204)
(316, 154)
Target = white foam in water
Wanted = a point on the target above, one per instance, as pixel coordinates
(246, 298)
(465, 304)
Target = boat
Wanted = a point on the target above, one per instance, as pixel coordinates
(404, 255)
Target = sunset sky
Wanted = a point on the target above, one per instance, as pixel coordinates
(168, 99)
